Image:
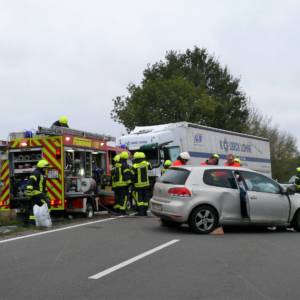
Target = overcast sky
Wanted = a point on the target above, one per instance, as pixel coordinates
(71, 57)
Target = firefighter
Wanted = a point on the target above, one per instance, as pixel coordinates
(141, 183)
(121, 182)
(61, 122)
(36, 189)
(182, 159)
(213, 160)
(115, 178)
(167, 165)
(297, 180)
(230, 161)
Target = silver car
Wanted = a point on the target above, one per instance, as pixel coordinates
(205, 197)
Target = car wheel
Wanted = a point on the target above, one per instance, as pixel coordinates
(89, 213)
(296, 221)
(168, 223)
(204, 219)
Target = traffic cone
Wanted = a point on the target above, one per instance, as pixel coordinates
(218, 231)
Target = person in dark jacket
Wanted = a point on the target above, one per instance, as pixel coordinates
(62, 122)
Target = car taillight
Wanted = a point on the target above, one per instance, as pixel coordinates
(180, 192)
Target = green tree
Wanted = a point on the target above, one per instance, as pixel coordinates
(192, 87)
(285, 157)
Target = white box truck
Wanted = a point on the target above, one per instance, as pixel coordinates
(161, 142)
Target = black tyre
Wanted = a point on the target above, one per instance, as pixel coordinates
(168, 223)
(89, 213)
(296, 221)
(204, 219)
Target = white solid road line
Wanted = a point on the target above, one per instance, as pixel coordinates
(132, 260)
(56, 230)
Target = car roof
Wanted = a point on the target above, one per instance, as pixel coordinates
(212, 167)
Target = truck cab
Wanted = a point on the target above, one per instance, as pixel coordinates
(157, 143)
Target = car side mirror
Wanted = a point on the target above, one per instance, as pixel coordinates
(290, 190)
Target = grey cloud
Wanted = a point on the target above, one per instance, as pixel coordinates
(72, 57)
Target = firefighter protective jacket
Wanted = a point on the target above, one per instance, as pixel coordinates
(37, 184)
(121, 175)
(140, 177)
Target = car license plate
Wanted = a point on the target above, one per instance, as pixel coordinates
(156, 206)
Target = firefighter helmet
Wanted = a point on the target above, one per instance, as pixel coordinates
(42, 163)
(137, 155)
(63, 120)
(116, 158)
(184, 155)
(167, 163)
(124, 155)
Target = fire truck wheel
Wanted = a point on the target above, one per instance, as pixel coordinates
(89, 210)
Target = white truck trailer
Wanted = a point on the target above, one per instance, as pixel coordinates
(161, 142)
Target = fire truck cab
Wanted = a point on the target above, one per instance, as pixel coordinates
(78, 180)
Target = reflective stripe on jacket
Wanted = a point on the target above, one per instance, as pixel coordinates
(141, 178)
(121, 175)
(37, 184)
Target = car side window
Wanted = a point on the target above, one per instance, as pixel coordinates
(260, 183)
(219, 178)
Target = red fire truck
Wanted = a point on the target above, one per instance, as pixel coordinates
(78, 179)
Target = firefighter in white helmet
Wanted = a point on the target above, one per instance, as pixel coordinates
(182, 159)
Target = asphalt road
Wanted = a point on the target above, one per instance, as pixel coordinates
(238, 265)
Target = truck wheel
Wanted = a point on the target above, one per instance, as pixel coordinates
(89, 213)
(203, 220)
(296, 221)
(168, 223)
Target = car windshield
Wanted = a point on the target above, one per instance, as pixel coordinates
(175, 176)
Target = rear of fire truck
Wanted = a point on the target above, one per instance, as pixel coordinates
(78, 179)
(23, 155)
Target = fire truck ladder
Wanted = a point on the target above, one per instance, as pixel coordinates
(57, 131)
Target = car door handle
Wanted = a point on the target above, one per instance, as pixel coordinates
(253, 198)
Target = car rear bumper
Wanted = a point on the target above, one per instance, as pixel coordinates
(169, 210)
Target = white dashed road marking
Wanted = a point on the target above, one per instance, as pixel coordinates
(132, 260)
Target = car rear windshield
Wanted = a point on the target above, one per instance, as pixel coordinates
(175, 176)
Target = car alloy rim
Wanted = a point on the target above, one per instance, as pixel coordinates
(204, 220)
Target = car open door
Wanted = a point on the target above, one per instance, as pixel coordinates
(225, 192)
(267, 203)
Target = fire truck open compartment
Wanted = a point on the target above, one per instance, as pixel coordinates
(22, 163)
